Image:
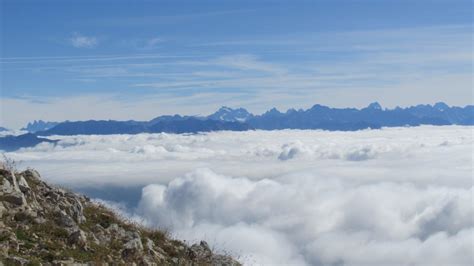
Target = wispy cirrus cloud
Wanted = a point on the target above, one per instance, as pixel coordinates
(143, 44)
(140, 21)
(248, 63)
(153, 43)
(82, 41)
(342, 69)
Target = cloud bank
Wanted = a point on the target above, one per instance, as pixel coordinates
(301, 219)
(397, 196)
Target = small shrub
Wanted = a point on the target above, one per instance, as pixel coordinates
(22, 235)
(8, 163)
(156, 236)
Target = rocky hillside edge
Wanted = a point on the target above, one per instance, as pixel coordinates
(45, 225)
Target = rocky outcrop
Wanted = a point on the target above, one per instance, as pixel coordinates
(45, 225)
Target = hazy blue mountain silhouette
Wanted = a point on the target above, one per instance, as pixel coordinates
(167, 124)
(317, 117)
(372, 116)
(194, 125)
(3, 129)
(11, 143)
(95, 127)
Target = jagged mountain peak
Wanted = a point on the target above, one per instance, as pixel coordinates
(39, 125)
(291, 111)
(225, 109)
(318, 107)
(374, 106)
(441, 106)
(272, 111)
(230, 115)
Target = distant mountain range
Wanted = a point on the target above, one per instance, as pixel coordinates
(317, 117)
(372, 116)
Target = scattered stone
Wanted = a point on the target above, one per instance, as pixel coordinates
(147, 261)
(3, 210)
(25, 216)
(16, 261)
(68, 261)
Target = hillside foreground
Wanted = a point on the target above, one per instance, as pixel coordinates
(46, 225)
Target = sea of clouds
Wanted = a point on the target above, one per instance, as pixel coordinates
(396, 196)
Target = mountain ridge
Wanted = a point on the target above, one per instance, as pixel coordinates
(318, 116)
(12, 143)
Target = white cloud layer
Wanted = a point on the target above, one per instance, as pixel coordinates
(397, 196)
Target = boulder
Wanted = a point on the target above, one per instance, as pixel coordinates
(5, 185)
(78, 238)
(149, 244)
(23, 185)
(154, 251)
(54, 196)
(32, 175)
(62, 219)
(135, 243)
(16, 198)
(14, 182)
(131, 235)
(116, 231)
(4, 247)
(77, 210)
(201, 251)
(132, 249)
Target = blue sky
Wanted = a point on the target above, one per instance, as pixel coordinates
(139, 59)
